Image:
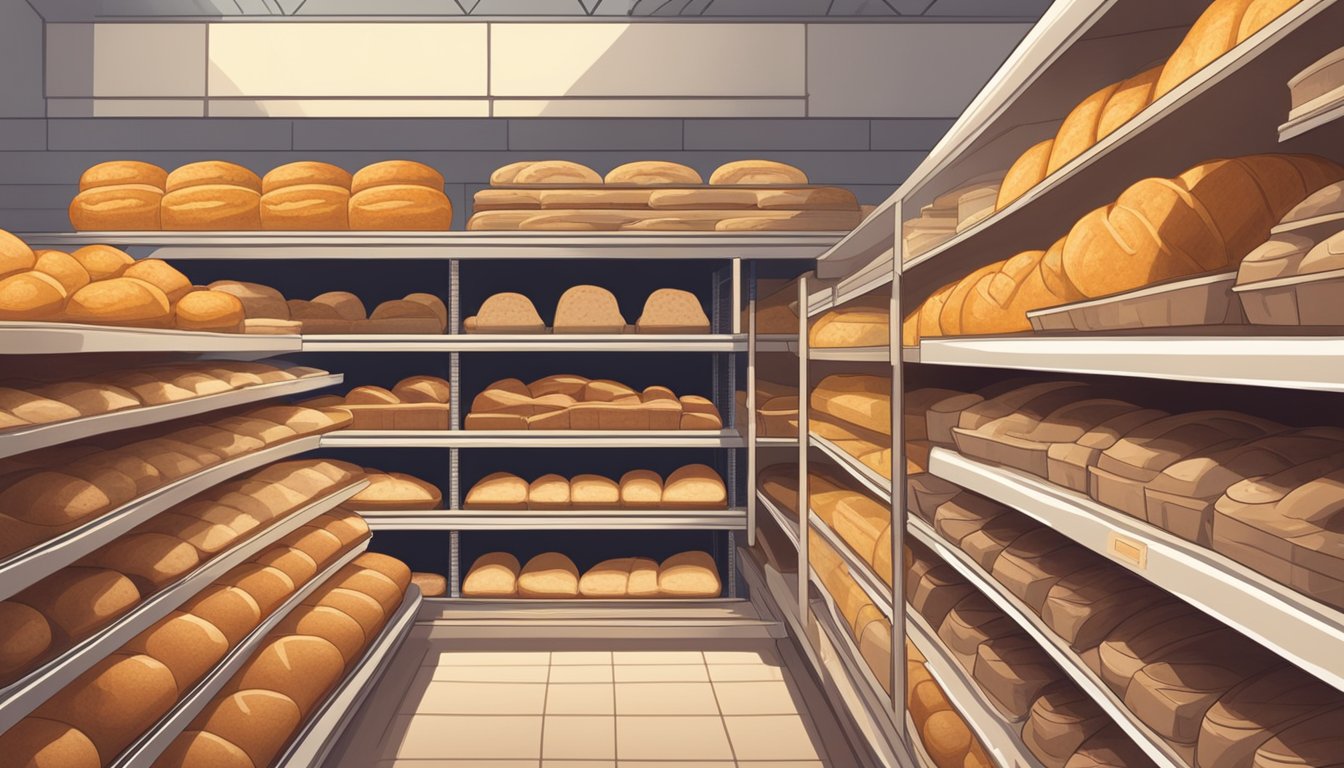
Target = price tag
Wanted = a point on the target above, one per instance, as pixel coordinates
(1128, 550)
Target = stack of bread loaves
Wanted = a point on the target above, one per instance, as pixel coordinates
(415, 402)
(567, 401)
(1205, 220)
(267, 311)
(1294, 278)
(854, 412)
(551, 575)
(591, 309)
(951, 212)
(694, 486)
(214, 195)
(746, 195)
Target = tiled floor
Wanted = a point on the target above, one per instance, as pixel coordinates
(614, 704)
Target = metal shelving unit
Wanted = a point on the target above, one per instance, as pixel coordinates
(34, 338)
(26, 568)
(861, 571)
(597, 342)
(26, 694)
(558, 520)
(866, 475)
(533, 439)
(788, 524)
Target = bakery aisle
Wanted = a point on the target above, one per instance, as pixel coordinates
(691, 703)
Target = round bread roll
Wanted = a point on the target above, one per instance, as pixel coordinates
(42, 743)
(129, 207)
(347, 305)
(372, 583)
(422, 389)
(68, 272)
(25, 636)
(641, 489)
(258, 721)
(15, 255)
(507, 174)
(114, 701)
(654, 172)
(492, 575)
(305, 172)
(330, 624)
(389, 566)
(549, 575)
(396, 172)
(117, 172)
(102, 262)
(231, 610)
(306, 207)
(946, 737)
(430, 584)
(756, 172)
(31, 296)
(356, 605)
(120, 301)
(556, 172)
(211, 207)
(694, 486)
(210, 311)
(371, 395)
(199, 749)
(212, 173)
(689, 575)
(401, 207)
(188, 645)
(434, 303)
(258, 300)
(304, 668)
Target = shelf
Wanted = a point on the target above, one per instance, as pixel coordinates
(1292, 625)
(26, 568)
(1284, 362)
(158, 738)
(656, 619)
(776, 442)
(876, 702)
(558, 438)
(1311, 121)
(789, 524)
(865, 279)
(862, 573)
(23, 439)
(1000, 737)
(26, 694)
(856, 469)
(558, 520)
(777, 342)
(498, 342)
(910, 355)
(31, 338)
(324, 727)
(851, 354)
(381, 246)
(917, 750)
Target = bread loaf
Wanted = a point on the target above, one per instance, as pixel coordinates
(306, 207)
(31, 295)
(493, 575)
(403, 316)
(1013, 671)
(556, 172)
(593, 492)
(508, 313)
(549, 575)
(430, 584)
(35, 741)
(305, 172)
(198, 749)
(588, 309)
(863, 323)
(756, 173)
(641, 489)
(396, 173)
(397, 490)
(726, 199)
(101, 261)
(422, 389)
(258, 721)
(15, 255)
(118, 172)
(187, 645)
(692, 575)
(694, 486)
(36, 408)
(507, 199)
(120, 301)
(507, 173)
(548, 492)
(1026, 172)
(25, 637)
(125, 207)
(653, 172)
(500, 490)
(304, 669)
(811, 199)
(1130, 98)
(212, 173)
(114, 701)
(1061, 720)
(231, 610)
(214, 207)
(607, 579)
(330, 624)
(400, 207)
(65, 268)
(668, 310)
(209, 311)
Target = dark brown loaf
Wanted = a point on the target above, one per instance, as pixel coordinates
(38, 742)
(258, 721)
(114, 701)
(302, 668)
(79, 601)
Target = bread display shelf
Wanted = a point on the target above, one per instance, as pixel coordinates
(857, 469)
(1301, 630)
(524, 438)
(24, 695)
(850, 354)
(1197, 301)
(28, 567)
(1283, 362)
(33, 338)
(776, 442)
(500, 342)
(789, 525)
(859, 569)
(866, 278)
(642, 246)
(149, 746)
(325, 726)
(1002, 738)
(1310, 122)
(23, 439)
(878, 705)
(1090, 682)
(777, 342)
(558, 520)
(720, 618)
(1154, 138)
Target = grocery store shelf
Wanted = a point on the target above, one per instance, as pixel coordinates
(851, 354)
(1301, 630)
(1158, 750)
(325, 726)
(26, 694)
(910, 355)
(859, 569)
(147, 749)
(790, 525)
(23, 439)
(583, 619)
(1001, 738)
(1311, 121)
(867, 277)
(557, 438)
(25, 568)
(1284, 362)
(873, 236)
(877, 705)
(33, 338)
(558, 520)
(777, 342)
(776, 442)
(857, 469)
(381, 246)
(628, 342)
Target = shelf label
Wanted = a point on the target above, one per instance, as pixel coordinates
(1133, 552)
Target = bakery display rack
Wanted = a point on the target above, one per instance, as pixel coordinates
(558, 520)
(727, 438)
(859, 569)
(25, 568)
(28, 338)
(786, 523)
(719, 618)
(26, 694)
(856, 469)
(597, 342)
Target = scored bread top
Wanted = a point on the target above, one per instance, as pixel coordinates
(757, 172)
(395, 172)
(589, 308)
(652, 172)
(212, 172)
(305, 172)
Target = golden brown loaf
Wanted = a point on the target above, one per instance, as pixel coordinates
(31, 296)
(161, 275)
(305, 172)
(65, 268)
(1026, 172)
(668, 310)
(1129, 99)
(120, 301)
(118, 172)
(549, 575)
(129, 207)
(689, 575)
(219, 207)
(212, 173)
(554, 172)
(653, 172)
(507, 313)
(492, 575)
(757, 172)
(400, 207)
(306, 207)
(398, 173)
(37, 741)
(102, 261)
(15, 255)
(209, 311)
(588, 309)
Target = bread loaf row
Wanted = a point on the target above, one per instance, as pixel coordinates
(215, 195)
(853, 411)
(415, 402)
(591, 309)
(1294, 277)
(644, 173)
(551, 575)
(694, 486)
(864, 322)
(568, 401)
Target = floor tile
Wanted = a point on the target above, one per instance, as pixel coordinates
(535, 674)
(676, 764)
(459, 764)
(581, 674)
(480, 699)
(778, 764)
(466, 738)
(665, 699)
(658, 657)
(488, 658)
(771, 737)
(765, 656)
(579, 737)
(744, 672)
(771, 697)
(664, 673)
(671, 738)
(581, 699)
(574, 764)
(567, 658)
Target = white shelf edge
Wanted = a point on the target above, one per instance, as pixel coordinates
(24, 695)
(557, 520)
(37, 338)
(777, 342)
(850, 354)
(1305, 632)
(855, 468)
(1311, 121)
(629, 342)
(557, 438)
(23, 569)
(24, 439)
(789, 525)
(1284, 362)
(1158, 750)
(876, 699)
(152, 744)
(862, 573)
(324, 728)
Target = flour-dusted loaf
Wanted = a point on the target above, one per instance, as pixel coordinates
(757, 173)
(694, 486)
(588, 309)
(549, 575)
(492, 575)
(689, 575)
(507, 313)
(668, 310)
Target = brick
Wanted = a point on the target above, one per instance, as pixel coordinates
(203, 134)
(23, 134)
(21, 93)
(775, 134)
(126, 60)
(543, 134)
(125, 108)
(400, 134)
(917, 133)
